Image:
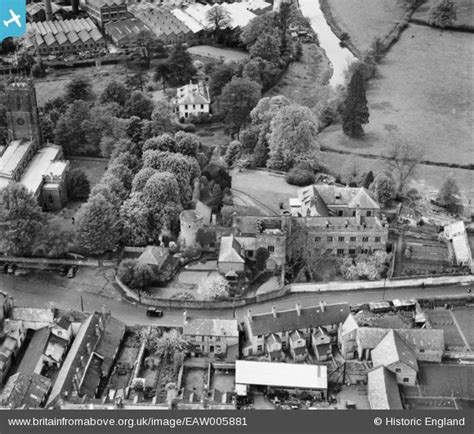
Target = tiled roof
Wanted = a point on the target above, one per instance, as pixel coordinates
(289, 320)
(229, 250)
(273, 339)
(25, 391)
(391, 349)
(211, 327)
(126, 29)
(382, 390)
(13, 156)
(154, 255)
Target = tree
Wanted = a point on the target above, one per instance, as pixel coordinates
(267, 47)
(261, 24)
(443, 14)
(141, 178)
(206, 236)
(384, 188)
(128, 159)
(53, 242)
(169, 344)
(369, 179)
(356, 111)
(139, 105)
(237, 100)
(162, 121)
(149, 46)
(233, 152)
(164, 142)
(114, 92)
(79, 88)
(69, 132)
(163, 72)
(293, 131)
(22, 218)
(112, 188)
(449, 195)
(135, 274)
(218, 18)
(261, 256)
(260, 156)
(181, 64)
(77, 184)
(214, 287)
(187, 143)
(98, 225)
(351, 172)
(403, 159)
(220, 75)
(122, 173)
(135, 218)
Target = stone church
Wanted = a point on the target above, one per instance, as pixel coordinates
(39, 166)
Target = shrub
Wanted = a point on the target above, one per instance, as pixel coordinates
(300, 177)
(135, 274)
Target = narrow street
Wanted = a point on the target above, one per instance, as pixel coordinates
(28, 292)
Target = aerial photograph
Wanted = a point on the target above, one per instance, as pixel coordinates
(216, 206)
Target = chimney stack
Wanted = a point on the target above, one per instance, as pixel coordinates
(322, 305)
(185, 317)
(298, 309)
(97, 330)
(89, 348)
(249, 315)
(48, 10)
(83, 364)
(274, 312)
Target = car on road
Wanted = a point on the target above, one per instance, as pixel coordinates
(12, 268)
(153, 311)
(72, 272)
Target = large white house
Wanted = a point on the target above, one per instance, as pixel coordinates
(192, 100)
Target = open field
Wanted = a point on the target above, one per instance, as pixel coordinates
(442, 319)
(266, 187)
(423, 93)
(365, 20)
(298, 83)
(465, 12)
(216, 53)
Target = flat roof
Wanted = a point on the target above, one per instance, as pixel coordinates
(287, 375)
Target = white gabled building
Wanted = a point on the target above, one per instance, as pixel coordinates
(192, 100)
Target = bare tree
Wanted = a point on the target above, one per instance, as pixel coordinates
(403, 159)
(218, 18)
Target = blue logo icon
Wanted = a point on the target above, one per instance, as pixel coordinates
(12, 18)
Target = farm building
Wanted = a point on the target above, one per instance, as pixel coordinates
(63, 37)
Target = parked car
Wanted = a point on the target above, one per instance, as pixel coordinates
(64, 270)
(12, 268)
(153, 311)
(72, 272)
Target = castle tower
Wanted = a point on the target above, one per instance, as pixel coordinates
(22, 112)
(190, 222)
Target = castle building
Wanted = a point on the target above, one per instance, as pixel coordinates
(26, 159)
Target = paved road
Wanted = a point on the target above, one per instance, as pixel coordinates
(29, 292)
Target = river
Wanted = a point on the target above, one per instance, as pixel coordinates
(340, 57)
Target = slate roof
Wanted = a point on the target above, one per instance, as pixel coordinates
(193, 94)
(25, 390)
(63, 322)
(352, 197)
(229, 250)
(34, 351)
(289, 320)
(154, 255)
(211, 327)
(392, 349)
(382, 390)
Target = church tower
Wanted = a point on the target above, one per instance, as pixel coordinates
(22, 112)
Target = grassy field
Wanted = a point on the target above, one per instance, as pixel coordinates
(465, 11)
(53, 84)
(424, 94)
(302, 81)
(265, 187)
(365, 20)
(206, 51)
(427, 178)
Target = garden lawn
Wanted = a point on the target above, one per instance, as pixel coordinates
(365, 20)
(265, 187)
(94, 169)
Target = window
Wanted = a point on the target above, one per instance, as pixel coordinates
(340, 251)
(259, 348)
(329, 239)
(271, 249)
(185, 106)
(250, 253)
(369, 213)
(352, 251)
(340, 239)
(218, 338)
(194, 106)
(317, 239)
(259, 336)
(340, 213)
(18, 102)
(365, 239)
(406, 380)
(353, 213)
(422, 350)
(202, 106)
(353, 239)
(377, 239)
(398, 370)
